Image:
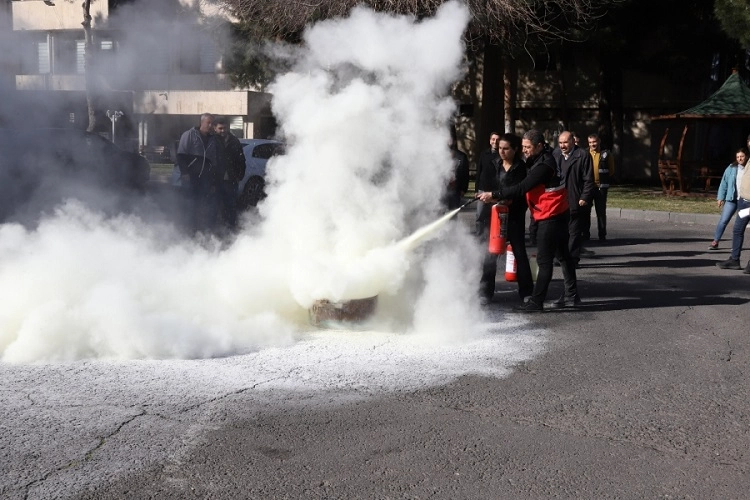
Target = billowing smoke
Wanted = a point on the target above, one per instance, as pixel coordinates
(365, 113)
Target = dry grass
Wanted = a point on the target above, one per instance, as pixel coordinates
(652, 198)
(620, 196)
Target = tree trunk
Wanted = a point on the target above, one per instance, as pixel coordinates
(491, 115)
(611, 126)
(604, 128)
(88, 57)
(564, 106)
(510, 82)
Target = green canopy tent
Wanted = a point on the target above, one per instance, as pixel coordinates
(711, 132)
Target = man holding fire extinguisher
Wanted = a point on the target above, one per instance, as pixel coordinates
(547, 198)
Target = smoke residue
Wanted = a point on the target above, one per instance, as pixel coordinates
(364, 112)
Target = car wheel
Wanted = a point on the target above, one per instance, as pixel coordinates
(252, 193)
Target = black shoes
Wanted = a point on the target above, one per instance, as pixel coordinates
(529, 307)
(566, 302)
(729, 264)
(747, 268)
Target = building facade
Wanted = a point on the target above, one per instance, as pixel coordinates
(160, 69)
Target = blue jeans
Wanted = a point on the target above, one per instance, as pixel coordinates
(730, 207)
(738, 233)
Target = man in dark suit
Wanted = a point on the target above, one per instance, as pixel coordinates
(576, 171)
(486, 181)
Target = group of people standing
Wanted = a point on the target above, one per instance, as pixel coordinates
(733, 197)
(558, 188)
(212, 164)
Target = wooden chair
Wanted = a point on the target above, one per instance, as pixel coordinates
(671, 170)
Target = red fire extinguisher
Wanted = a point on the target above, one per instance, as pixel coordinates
(511, 268)
(498, 229)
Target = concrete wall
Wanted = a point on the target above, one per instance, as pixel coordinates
(64, 15)
(166, 82)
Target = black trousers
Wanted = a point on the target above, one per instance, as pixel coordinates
(552, 241)
(600, 206)
(517, 239)
(205, 203)
(533, 228)
(229, 198)
(580, 220)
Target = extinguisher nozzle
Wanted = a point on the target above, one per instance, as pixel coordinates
(468, 203)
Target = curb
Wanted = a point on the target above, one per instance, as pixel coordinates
(651, 216)
(655, 216)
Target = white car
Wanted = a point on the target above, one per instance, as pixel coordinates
(257, 153)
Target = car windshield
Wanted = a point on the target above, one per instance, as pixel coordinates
(266, 151)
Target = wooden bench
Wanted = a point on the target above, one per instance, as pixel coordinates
(156, 154)
(706, 174)
(671, 170)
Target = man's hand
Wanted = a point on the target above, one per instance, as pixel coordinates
(582, 203)
(485, 197)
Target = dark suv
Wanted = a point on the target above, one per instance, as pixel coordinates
(41, 167)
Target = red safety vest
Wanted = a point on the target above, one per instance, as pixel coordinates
(547, 202)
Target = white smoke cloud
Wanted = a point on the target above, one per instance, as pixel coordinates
(366, 109)
(365, 113)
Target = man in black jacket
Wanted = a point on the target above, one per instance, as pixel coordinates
(459, 182)
(577, 173)
(200, 157)
(486, 180)
(234, 171)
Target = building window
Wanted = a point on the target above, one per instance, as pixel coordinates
(80, 56)
(237, 126)
(66, 55)
(43, 65)
(208, 57)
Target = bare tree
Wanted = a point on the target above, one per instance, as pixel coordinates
(88, 58)
(505, 21)
(499, 31)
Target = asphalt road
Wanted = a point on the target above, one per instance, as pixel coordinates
(643, 393)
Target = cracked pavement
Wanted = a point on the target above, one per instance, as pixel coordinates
(644, 393)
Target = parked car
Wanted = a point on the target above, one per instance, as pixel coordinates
(257, 153)
(251, 187)
(40, 167)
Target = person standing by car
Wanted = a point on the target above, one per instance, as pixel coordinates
(577, 174)
(547, 197)
(234, 160)
(604, 168)
(199, 157)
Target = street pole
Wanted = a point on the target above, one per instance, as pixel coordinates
(114, 116)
